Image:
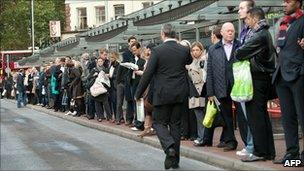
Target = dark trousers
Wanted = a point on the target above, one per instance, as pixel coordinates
(167, 123)
(188, 123)
(291, 95)
(228, 132)
(130, 103)
(90, 106)
(113, 101)
(258, 119)
(57, 101)
(120, 99)
(102, 104)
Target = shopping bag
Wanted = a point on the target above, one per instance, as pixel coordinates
(97, 89)
(211, 111)
(140, 111)
(242, 90)
(4, 92)
(43, 91)
(13, 93)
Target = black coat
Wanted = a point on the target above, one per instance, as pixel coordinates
(259, 49)
(20, 83)
(291, 56)
(140, 63)
(219, 70)
(167, 68)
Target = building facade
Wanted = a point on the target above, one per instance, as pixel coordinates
(87, 14)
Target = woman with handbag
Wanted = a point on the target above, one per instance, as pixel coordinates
(197, 72)
(99, 80)
(148, 130)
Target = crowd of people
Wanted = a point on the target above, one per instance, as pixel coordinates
(177, 79)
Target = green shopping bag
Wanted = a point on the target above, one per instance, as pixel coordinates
(210, 114)
(242, 90)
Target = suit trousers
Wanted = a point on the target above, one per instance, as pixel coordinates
(291, 95)
(228, 132)
(167, 124)
(120, 100)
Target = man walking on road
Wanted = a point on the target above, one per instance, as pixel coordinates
(167, 66)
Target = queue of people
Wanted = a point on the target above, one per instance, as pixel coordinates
(177, 79)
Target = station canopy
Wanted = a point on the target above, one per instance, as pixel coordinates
(145, 24)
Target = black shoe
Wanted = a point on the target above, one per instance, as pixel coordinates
(175, 166)
(287, 156)
(221, 145)
(183, 138)
(55, 110)
(170, 158)
(230, 147)
(192, 138)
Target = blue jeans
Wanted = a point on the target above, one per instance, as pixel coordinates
(21, 98)
(250, 146)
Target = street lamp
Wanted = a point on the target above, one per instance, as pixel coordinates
(32, 20)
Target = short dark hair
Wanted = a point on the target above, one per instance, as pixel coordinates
(130, 38)
(62, 59)
(168, 30)
(250, 3)
(257, 12)
(217, 32)
(136, 44)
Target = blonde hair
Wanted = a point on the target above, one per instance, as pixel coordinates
(198, 44)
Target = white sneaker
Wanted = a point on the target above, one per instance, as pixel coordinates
(243, 152)
(69, 113)
(134, 129)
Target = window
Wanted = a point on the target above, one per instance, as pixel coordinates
(82, 18)
(147, 4)
(119, 10)
(100, 15)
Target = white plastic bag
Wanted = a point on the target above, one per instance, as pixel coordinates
(242, 90)
(140, 110)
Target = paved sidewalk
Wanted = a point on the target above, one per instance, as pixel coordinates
(211, 155)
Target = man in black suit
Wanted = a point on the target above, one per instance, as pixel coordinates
(289, 76)
(220, 81)
(167, 67)
(123, 85)
(134, 80)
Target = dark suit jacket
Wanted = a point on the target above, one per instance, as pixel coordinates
(219, 70)
(167, 66)
(20, 83)
(291, 56)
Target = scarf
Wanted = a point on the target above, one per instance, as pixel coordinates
(284, 25)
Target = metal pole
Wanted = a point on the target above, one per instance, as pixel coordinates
(33, 38)
(197, 34)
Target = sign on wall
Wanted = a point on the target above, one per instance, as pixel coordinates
(55, 30)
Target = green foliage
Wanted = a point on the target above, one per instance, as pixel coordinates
(15, 26)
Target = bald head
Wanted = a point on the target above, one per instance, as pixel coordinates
(228, 32)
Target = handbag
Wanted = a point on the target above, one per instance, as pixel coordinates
(4, 92)
(97, 88)
(242, 89)
(211, 112)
